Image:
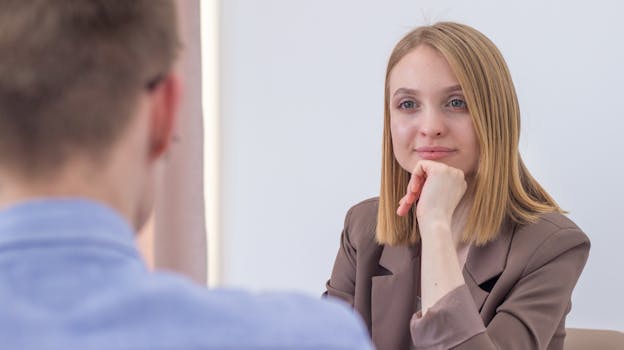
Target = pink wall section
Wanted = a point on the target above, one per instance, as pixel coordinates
(175, 239)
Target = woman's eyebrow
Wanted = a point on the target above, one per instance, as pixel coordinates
(454, 88)
(408, 91)
(405, 91)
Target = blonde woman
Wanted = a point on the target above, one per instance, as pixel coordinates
(463, 248)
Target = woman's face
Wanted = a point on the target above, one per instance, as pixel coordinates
(429, 117)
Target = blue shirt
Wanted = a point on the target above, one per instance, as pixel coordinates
(72, 278)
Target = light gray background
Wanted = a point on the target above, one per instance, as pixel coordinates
(301, 107)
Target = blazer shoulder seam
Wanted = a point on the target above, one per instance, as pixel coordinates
(547, 237)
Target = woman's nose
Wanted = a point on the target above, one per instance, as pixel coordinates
(432, 123)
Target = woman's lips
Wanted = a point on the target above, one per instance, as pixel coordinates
(434, 152)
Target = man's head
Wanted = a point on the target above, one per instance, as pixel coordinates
(75, 77)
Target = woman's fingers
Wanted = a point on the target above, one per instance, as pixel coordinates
(414, 188)
(403, 208)
(418, 176)
(446, 185)
(405, 204)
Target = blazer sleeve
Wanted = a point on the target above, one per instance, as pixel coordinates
(529, 315)
(342, 281)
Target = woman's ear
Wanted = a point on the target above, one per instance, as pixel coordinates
(165, 100)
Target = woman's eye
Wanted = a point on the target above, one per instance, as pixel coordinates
(457, 104)
(407, 105)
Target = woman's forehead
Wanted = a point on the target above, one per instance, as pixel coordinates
(423, 70)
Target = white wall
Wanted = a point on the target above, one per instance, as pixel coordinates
(301, 104)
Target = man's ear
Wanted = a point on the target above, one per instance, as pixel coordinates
(165, 101)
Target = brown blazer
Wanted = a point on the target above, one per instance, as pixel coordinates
(516, 296)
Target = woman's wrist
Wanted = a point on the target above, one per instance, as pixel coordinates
(434, 229)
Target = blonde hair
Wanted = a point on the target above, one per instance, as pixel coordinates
(503, 187)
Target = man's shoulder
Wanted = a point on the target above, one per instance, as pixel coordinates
(229, 318)
(166, 311)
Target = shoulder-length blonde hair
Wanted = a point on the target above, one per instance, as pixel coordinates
(503, 187)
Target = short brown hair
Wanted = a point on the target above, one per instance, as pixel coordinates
(71, 72)
(503, 189)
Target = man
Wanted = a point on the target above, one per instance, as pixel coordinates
(87, 104)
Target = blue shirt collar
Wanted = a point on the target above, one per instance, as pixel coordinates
(65, 219)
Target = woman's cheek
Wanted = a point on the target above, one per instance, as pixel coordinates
(402, 141)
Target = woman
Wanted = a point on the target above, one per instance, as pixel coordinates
(463, 248)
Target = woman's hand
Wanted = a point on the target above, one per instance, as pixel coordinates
(437, 188)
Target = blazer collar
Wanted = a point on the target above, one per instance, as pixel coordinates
(486, 262)
(482, 263)
(397, 258)
(394, 296)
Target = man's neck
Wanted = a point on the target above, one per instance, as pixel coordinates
(71, 182)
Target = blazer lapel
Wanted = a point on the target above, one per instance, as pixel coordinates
(394, 296)
(486, 263)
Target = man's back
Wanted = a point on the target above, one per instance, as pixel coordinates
(71, 278)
